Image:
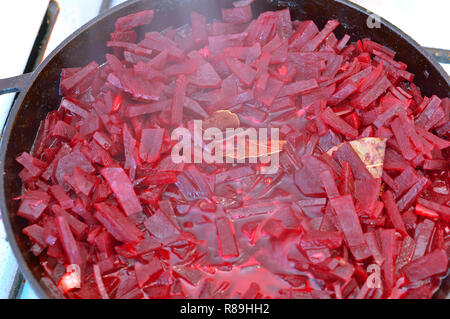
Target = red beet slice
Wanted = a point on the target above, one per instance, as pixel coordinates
(134, 20)
(393, 212)
(349, 223)
(119, 226)
(320, 239)
(68, 242)
(147, 272)
(330, 118)
(151, 144)
(33, 205)
(427, 266)
(160, 226)
(227, 241)
(123, 189)
(362, 167)
(237, 15)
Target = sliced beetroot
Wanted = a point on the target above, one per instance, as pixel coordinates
(241, 70)
(77, 227)
(441, 210)
(134, 20)
(117, 224)
(178, 99)
(361, 179)
(393, 212)
(407, 200)
(388, 246)
(61, 197)
(33, 205)
(67, 165)
(123, 189)
(68, 84)
(191, 275)
(237, 15)
(206, 77)
(320, 239)
(162, 227)
(432, 264)
(349, 223)
(331, 119)
(36, 234)
(151, 143)
(68, 242)
(227, 241)
(147, 272)
(199, 31)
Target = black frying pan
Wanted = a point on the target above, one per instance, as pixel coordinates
(39, 90)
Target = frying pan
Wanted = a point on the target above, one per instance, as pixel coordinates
(39, 91)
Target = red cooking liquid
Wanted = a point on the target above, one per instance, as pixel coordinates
(104, 196)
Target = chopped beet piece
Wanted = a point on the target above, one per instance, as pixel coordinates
(199, 32)
(240, 14)
(123, 189)
(162, 227)
(241, 70)
(206, 77)
(69, 84)
(330, 118)
(33, 165)
(134, 20)
(37, 234)
(274, 228)
(119, 226)
(393, 212)
(191, 275)
(422, 237)
(33, 205)
(329, 184)
(361, 171)
(349, 223)
(366, 194)
(61, 197)
(320, 239)
(77, 227)
(308, 177)
(70, 245)
(434, 263)
(178, 99)
(147, 272)
(407, 200)
(227, 241)
(298, 87)
(314, 43)
(346, 186)
(67, 165)
(443, 211)
(151, 143)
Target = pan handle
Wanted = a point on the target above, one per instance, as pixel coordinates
(14, 84)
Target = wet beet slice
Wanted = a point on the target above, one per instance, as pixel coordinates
(360, 182)
(123, 189)
(227, 240)
(118, 225)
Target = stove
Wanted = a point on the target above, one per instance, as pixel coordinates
(49, 22)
